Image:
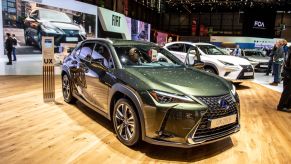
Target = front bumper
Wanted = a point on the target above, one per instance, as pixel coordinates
(65, 37)
(186, 126)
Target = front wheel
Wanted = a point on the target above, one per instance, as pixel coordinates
(126, 122)
(210, 70)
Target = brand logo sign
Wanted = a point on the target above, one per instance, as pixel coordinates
(223, 104)
(116, 20)
(259, 25)
(113, 22)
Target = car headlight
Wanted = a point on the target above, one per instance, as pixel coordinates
(233, 90)
(163, 97)
(48, 28)
(82, 30)
(225, 63)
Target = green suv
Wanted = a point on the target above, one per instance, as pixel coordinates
(149, 94)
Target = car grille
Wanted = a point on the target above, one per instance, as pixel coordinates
(203, 131)
(71, 32)
(246, 68)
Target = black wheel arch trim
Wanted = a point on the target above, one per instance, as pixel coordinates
(134, 97)
(212, 66)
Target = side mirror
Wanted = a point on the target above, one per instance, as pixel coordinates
(97, 63)
(192, 57)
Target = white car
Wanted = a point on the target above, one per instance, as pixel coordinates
(216, 61)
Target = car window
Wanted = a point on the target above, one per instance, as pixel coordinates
(146, 56)
(187, 46)
(86, 51)
(176, 47)
(211, 50)
(102, 55)
(254, 53)
(54, 16)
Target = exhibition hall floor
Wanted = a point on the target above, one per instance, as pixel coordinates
(35, 132)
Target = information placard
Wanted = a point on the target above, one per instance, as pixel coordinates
(48, 69)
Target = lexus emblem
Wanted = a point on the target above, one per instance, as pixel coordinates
(71, 32)
(223, 104)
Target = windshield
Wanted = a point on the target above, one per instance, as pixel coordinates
(254, 54)
(146, 56)
(54, 16)
(211, 50)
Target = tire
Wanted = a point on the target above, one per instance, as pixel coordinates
(67, 90)
(210, 70)
(39, 40)
(126, 123)
(27, 39)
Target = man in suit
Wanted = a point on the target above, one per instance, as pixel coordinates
(285, 100)
(9, 48)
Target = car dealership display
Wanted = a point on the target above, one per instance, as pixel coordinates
(216, 61)
(149, 94)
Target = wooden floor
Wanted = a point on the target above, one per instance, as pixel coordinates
(34, 132)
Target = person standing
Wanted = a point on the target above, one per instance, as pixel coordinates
(237, 51)
(285, 100)
(270, 64)
(277, 62)
(14, 47)
(9, 48)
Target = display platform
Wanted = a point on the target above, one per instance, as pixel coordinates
(35, 132)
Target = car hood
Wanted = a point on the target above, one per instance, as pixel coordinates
(231, 59)
(68, 26)
(259, 59)
(186, 81)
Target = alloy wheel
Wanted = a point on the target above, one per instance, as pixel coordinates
(125, 122)
(66, 87)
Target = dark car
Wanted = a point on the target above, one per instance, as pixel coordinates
(150, 95)
(45, 22)
(259, 60)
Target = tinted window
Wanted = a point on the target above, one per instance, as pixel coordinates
(187, 46)
(176, 47)
(86, 51)
(211, 50)
(146, 56)
(50, 15)
(101, 54)
(253, 53)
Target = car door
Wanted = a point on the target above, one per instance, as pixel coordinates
(80, 70)
(99, 78)
(178, 50)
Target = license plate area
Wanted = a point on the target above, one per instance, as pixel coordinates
(218, 122)
(248, 74)
(72, 39)
(264, 66)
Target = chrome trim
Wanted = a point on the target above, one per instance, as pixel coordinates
(187, 145)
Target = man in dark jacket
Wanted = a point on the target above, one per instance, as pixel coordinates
(285, 100)
(277, 63)
(270, 64)
(9, 48)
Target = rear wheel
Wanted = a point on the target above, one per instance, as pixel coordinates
(67, 90)
(126, 123)
(39, 40)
